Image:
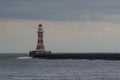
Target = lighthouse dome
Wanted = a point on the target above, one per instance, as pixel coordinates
(40, 25)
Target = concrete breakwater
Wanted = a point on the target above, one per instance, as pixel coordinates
(91, 56)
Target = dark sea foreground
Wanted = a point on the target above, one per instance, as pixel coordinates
(22, 67)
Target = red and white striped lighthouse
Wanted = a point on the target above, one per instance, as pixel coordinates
(40, 46)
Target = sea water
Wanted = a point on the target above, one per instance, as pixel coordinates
(22, 67)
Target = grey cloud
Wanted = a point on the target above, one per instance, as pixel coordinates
(57, 9)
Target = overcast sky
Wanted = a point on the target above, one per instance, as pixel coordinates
(69, 25)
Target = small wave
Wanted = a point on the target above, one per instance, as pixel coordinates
(24, 57)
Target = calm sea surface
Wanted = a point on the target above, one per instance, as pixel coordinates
(22, 67)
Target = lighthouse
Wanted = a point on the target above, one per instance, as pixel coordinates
(40, 46)
(40, 50)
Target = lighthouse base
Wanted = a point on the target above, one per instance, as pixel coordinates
(90, 56)
(36, 53)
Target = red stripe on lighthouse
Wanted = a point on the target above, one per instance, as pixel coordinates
(40, 41)
(40, 47)
(40, 35)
